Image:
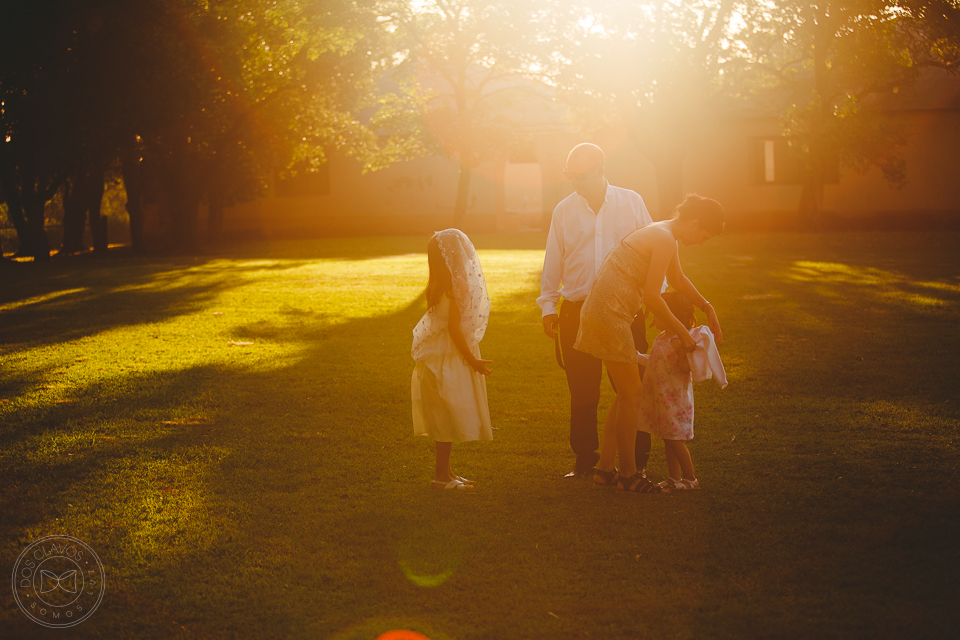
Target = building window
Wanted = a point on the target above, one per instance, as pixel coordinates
(305, 185)
(776, 163)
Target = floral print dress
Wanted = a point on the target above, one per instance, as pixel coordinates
(666, 409)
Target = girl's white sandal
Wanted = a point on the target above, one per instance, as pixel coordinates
(456, 483)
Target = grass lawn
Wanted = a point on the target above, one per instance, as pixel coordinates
(232, 436)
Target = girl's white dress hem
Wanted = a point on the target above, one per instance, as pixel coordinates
(449, 396)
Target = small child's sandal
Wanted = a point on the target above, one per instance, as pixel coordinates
(679, 485)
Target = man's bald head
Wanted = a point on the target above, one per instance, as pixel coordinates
(584, 157)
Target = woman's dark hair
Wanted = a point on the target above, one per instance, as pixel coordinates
(440, 281)
(706, 211)
(680, 307)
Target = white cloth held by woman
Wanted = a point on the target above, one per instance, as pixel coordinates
(705, 360)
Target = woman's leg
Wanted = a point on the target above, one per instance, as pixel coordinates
(626, 379)
(608, 450)
(678, 448)
(442, 472)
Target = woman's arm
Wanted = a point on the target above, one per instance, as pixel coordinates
(453, 326)
(663, 251)
(680, 282)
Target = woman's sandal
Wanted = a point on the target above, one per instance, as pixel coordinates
(464, 480)
(456, 483)
(603, 478)
(637, 483)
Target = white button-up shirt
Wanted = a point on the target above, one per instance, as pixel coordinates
(580, 239)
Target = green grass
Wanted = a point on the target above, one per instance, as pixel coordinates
(275, 489)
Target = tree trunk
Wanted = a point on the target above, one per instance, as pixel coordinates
(811, 197)
(216, 200)
(93, 197)
(500, 196)
(34, 205)
(215, 217)
(74, 216)
(180, 176)
(183, 197)
(811, 205)
(184, 206)
(15, 215)
(132, 171)
(463, 195)
(669, 172)
(11, 192)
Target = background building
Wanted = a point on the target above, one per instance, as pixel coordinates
(744, 162)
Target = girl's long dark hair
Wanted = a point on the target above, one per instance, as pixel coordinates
(681, 308)
(440, 280)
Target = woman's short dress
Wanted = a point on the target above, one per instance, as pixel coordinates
(613, 303)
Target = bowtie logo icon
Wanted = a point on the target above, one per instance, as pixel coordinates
(50, 581)
(58, 581)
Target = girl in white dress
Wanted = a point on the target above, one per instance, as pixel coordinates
(448, 388)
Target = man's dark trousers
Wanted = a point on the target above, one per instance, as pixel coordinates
(584, 373)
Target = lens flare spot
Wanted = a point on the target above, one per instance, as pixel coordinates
(391, 628)
(402, 634)
(429, 556)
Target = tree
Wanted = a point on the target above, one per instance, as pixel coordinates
(34, 137)
(821, 65)
(649, 70)
(466, 58)
(275, 85)
(199, 99)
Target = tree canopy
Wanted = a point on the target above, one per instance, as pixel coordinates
(819, 65)
(651, 70)
(206, 99)
(209, 100)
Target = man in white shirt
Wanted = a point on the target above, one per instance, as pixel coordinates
(585, 226)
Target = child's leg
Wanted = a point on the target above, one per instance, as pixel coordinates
(678, 449)
(442, 472)
(673, 465)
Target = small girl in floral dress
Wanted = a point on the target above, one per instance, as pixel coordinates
(666, 408)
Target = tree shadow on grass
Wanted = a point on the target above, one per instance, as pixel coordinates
(841, 387)
(49, 309)
(308, 473)
(244, 459)
(300, 483)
